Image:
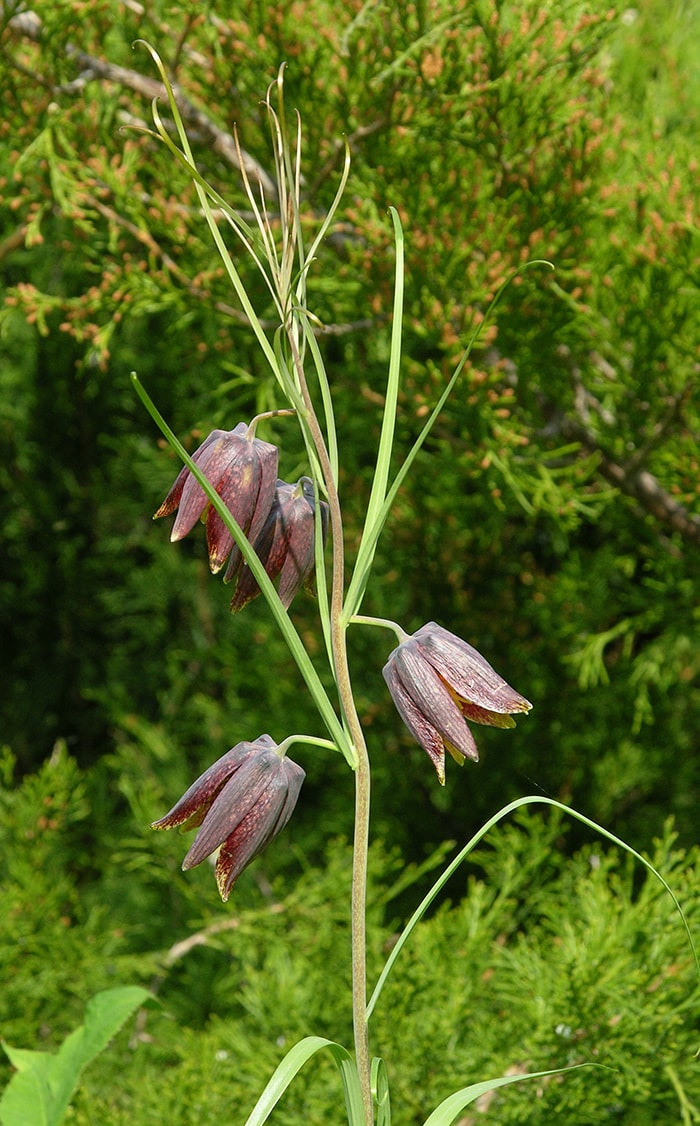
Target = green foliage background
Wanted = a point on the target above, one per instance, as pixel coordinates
(552, 521)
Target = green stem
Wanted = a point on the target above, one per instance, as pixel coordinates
(382, 623)
(359, 929)
(308, 740)
(362, 772)
(349, 738)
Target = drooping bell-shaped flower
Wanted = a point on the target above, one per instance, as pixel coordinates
(285, 545)
(243, 470)
(438, 682)
(239, 804)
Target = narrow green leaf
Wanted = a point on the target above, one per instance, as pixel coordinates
(462, 855)
(330, 214)
(205, 192)
(447, 1111)
(292, 1064)
(374, 526)
(40, 1092)
(379, 1081)
(322, 377)
(373, 519)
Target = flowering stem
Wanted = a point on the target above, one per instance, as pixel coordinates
(265, 415)
(359, 928)
(362, 771)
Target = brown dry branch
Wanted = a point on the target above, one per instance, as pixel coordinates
(144, 237)
(634, 481)
(28, 24)
(13, 241)
(673, 416)
(631, 478)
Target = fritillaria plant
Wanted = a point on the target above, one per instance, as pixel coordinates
(275, 537)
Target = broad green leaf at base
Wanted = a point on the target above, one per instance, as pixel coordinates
(40, 1092)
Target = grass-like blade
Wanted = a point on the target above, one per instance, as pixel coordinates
(292, 1064)
(446, 1113)
(461, 856)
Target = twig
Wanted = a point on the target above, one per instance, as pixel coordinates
(672, 416)
(636, 482)
(630, 478)
(13, 242)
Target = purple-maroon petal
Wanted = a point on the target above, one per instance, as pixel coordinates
(232, 805)
(300, 556)
(476, 714)
(172, 500)
(238, 490)
(421, 729)
(270, 548)
(268, 459)
(285, 546)
(432, 698)
(294, 775)
(269, 545)
(242, 802)
(269, 816)
(211, 458)
(199, 797)
(468, 673)
(250, 836)
(174, 497)
(248, 490)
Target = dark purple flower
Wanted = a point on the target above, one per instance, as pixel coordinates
(437, 682)
(239, 804)
(243, 470)
(285, 545)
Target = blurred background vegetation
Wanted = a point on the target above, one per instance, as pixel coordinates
(552, 520)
